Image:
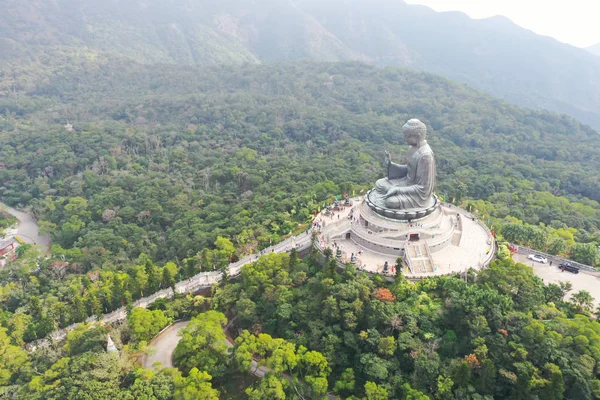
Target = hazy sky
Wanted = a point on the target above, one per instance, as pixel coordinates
(575, 22)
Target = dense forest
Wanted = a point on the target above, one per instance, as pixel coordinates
(146, 175)
(319, 331)
(161, 160)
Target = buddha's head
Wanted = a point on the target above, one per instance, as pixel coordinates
(414, 132)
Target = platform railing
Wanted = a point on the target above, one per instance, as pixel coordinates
(428, 252)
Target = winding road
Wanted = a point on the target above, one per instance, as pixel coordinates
(164, 345)
(28, 229)
(191, 285)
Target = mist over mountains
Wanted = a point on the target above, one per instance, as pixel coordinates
(595, 49)
(493, 54)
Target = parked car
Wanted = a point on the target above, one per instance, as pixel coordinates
(569, 267)
(538, 258)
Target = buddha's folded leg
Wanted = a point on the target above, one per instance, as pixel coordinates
(393, 202)
(383, 185)
(406, 198)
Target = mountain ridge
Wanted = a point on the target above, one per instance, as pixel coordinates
(594, 49)
(492, 54)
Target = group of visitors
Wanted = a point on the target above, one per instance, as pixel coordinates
(317, 226)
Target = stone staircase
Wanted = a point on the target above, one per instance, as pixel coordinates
(420, 257)
(457, 231)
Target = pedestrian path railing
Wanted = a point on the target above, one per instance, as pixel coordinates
(207, 279)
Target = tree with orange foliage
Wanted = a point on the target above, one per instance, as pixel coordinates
(472, 360)
(384, 294)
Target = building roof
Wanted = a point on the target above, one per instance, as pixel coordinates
(4, 243)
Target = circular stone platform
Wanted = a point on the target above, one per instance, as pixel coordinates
(404, 215)
(446, 241)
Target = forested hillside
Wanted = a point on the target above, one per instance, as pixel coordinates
(145, 175)
(500, 335)
(162, 160)
(493, 54)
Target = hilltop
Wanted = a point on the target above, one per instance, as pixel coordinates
(595, 49)
(492, 54)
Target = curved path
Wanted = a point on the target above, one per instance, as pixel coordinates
(166, 341)
(28, 229)
(164, 345)
(196, 283)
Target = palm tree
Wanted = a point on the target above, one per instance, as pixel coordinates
(583, 300)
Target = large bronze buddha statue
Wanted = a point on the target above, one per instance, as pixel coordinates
(409, 186)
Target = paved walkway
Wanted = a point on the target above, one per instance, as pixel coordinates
(475, 249)
(582, 281)
(191, 285)
(207, 279)
(164, 345)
